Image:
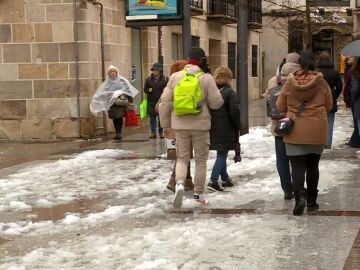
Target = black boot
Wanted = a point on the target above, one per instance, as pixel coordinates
(299, 203)
(311, 200)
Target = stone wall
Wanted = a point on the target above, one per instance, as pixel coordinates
(37, 65)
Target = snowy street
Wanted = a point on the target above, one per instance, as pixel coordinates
(107, 207)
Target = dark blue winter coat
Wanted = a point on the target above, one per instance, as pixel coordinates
(355, 95)
(333, 78)
(225, 122)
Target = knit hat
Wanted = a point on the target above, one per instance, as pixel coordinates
(288, 68)
(197, 53)
(111, 67)
(292, 58)
(157, 66)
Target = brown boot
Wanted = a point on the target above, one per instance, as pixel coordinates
(171, 184)
(188, 184)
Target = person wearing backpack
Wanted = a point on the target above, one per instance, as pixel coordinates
(333, 78)
(271, 95)
(225, 127)
(154, 86)
(185, 107)
(306, 98)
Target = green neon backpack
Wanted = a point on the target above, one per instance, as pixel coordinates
(188, 95)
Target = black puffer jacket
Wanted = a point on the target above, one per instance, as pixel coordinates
(333, 78)
(157, 87)
(225, 122)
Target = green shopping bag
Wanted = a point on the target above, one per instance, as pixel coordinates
(144, 108)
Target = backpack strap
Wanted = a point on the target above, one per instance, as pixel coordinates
(197, 75)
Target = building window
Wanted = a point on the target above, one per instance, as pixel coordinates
(254, 60)
(195, 42)
(175, 47)
(232, 57)
(296, 28)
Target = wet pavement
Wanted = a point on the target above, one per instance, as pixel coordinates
(326, 239)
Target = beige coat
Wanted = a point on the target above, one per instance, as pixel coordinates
(201, 121)
(311, 125)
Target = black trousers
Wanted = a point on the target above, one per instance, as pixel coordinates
(305, 167)
(118, 123)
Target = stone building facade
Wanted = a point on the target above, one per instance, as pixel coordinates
(331, 24)
(41, 96)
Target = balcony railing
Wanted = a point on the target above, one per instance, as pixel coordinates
(330, 3)
(255, 14)
(222, 11)
(196, 7)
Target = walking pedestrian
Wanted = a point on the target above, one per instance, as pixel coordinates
(154, 86)
(282, 161)
(225, 125)
(355, 94)
(354, 141)
(333, 78)
(170, 134)
(191, 128)
(306, 98)
(122, 103)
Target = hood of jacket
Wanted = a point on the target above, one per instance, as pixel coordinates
(192, 69)
(304, 87)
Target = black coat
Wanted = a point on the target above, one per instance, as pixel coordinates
(333, 78)
(157, 87)
(225, 122)
(355, 95)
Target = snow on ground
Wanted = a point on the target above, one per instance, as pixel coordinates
(138, 185)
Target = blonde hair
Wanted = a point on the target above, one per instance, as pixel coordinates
(223, 76)
(177, 66)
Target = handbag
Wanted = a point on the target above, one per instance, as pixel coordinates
(144, 108)
(121, 101)
(131, 120)
(284, 126)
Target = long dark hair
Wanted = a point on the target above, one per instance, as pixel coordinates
(355, 68)
(307, 61)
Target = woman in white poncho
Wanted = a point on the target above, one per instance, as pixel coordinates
(115, 95)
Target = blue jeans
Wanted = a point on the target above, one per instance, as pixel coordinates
(331, 120)
(219, 168)
(282, 164)
(153, 123)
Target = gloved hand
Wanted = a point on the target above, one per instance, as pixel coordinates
(237, 157)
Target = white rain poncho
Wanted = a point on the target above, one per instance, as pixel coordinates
(108, 91)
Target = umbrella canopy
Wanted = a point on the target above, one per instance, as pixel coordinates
(352, 49)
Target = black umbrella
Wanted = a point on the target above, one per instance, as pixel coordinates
(352, 49)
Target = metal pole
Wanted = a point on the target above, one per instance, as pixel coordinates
(77, 81)
(186, 29)
(242, 64)
(160, 56)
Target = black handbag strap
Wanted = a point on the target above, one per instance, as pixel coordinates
(301, 108)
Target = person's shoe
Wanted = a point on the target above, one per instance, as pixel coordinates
(200, 198)
(311, 198)
(227, 183)
(288, 195)
(327, 146)
(188, 184)
(152, 136)
(214, 186)
(161, 136)
(179, 193)
(171, 184)
(117, 136)
(299, 203)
